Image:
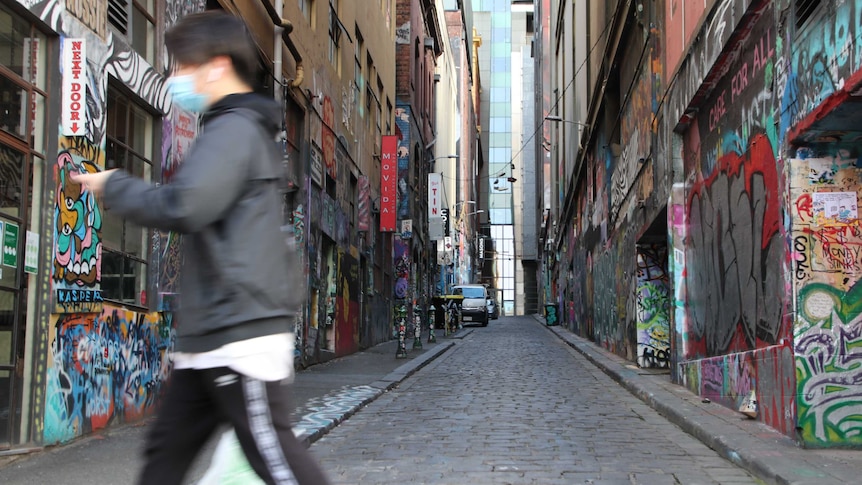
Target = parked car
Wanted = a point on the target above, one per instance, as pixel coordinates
(493, 309)
(474, 307)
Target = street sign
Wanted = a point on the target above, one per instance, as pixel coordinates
(388, 183)
(435, 194)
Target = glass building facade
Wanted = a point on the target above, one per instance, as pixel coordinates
(493, 21)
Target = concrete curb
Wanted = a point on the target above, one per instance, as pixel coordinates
(762, 451)
(375, 390)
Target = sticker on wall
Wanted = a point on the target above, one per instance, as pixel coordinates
(10, 245)
(834, 207)
(31, 253)
(407, 229)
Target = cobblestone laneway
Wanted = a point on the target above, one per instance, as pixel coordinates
(512, 404)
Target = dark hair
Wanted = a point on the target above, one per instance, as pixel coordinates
(198, 38)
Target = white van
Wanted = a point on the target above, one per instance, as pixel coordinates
(474, 305)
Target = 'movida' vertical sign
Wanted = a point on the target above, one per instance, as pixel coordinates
(388, 182)
(74, 103)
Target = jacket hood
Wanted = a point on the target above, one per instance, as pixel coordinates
(267, 111)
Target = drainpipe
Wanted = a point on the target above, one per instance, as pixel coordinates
(278, 71)
(283, 28)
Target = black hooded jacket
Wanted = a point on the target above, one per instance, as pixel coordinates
(237, 278)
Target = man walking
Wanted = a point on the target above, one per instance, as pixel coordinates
(234, 348)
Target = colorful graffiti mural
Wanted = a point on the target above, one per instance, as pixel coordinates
(828, 345)
(735, 251)
(402, 269)
(735, 255)
(76, 271)
(615, 297)
(728, 380)
(402, 132)
(822, 59)
(105, 368)
(653, 296)
(827, 264)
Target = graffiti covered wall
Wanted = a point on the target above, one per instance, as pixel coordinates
(105, 368)
(97, 364)
(730, 271)
(653, 296)
(827, 266)
(825, 55)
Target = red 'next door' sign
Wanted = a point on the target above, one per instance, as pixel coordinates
(74, 104)
(388, 182)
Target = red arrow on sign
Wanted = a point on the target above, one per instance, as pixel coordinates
(74, 127)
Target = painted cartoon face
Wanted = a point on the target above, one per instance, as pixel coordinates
(78, 221)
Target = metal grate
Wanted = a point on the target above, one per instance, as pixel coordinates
(804, 9)
(118, 15)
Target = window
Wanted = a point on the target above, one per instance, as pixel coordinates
(136, 20)
(371, 101)
(388, 116)
(357, 68)
(307, 9)
(130, 142)
(334, 36)
(804, 10)
(379, 106)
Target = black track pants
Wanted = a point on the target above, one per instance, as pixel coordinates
(198, 401)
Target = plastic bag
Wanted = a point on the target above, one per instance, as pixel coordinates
(229, 465)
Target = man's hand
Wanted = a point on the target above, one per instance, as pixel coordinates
(92, 182)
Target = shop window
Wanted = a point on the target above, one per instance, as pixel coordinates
(130, 146)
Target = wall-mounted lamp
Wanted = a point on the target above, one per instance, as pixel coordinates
(557, 119)
(450, 157)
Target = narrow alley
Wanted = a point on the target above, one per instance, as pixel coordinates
(512, 403)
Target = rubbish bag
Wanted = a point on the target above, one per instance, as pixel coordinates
(229, 465)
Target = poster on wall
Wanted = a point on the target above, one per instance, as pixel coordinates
(327, 137)
(835, 207)
(364, 199)
(316, 166)
(10, 245)
(31, 253)
(74, 97)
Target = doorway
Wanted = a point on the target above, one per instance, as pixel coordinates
(24, 97)
(653, 296)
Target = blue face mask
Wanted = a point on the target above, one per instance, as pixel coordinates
(182, 89)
